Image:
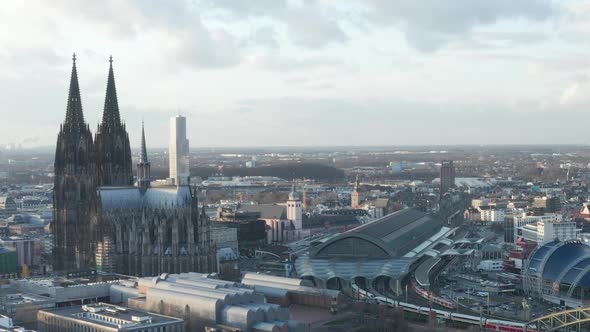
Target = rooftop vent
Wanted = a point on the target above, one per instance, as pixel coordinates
(142, 319)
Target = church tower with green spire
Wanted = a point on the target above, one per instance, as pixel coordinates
(113, 152)
(74, 186)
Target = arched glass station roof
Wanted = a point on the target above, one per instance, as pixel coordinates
(562, 262)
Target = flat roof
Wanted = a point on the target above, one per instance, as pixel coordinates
(24, 298)
(105, 314)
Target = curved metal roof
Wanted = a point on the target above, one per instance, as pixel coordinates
(390, 232)
(572, 274)
(562, 257)
(540, 255)
(565, 262)
(370, 269)
(585, 280)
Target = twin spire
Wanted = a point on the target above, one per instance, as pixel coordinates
(111, 119)
(74, 116)
(110, 116)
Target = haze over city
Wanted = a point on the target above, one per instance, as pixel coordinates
(294, 165)
(304, 73)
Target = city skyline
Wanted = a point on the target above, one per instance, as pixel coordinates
(305, 73)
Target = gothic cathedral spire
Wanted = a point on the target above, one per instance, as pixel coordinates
(110, 116)
(74, 186)
(114, 166)
(143, 167)
(74, 116)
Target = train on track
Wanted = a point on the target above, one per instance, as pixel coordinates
(487, 323)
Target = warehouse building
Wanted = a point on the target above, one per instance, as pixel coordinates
(288, 291)
(205, 302)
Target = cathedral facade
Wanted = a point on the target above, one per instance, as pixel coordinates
(103, 221)
(74, 194)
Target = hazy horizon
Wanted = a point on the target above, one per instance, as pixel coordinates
(333, 148)
(299, 73)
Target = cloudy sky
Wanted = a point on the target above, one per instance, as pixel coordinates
(304, 72)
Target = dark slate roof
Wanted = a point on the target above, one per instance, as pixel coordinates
(267, 211)
(385, 227)
(395, 233)
(154, 197)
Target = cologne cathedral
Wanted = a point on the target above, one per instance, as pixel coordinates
(102, 220)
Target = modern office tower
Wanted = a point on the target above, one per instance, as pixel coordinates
(447, 176)
(178, 152)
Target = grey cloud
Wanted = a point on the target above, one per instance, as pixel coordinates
(26, 56)
(308, 24)
(195, 44)
(516, 37)
(287, 64)
(248, 8)
(297, 80)
(489, 40)
(209, 49)
(119, 18)
(310, 28)
(430, 24)
(264, 36)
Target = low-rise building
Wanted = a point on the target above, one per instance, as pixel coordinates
(28, 250)
(478, 202)
(546, 231)
(7, 206)
(23, 307)
(491, 265)
(472, 214)
(103, 317)
(8, 261)
(66, 291)
(6, 325)
(490, 213)
(517, 255)
(521, 219)
(225, 240)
